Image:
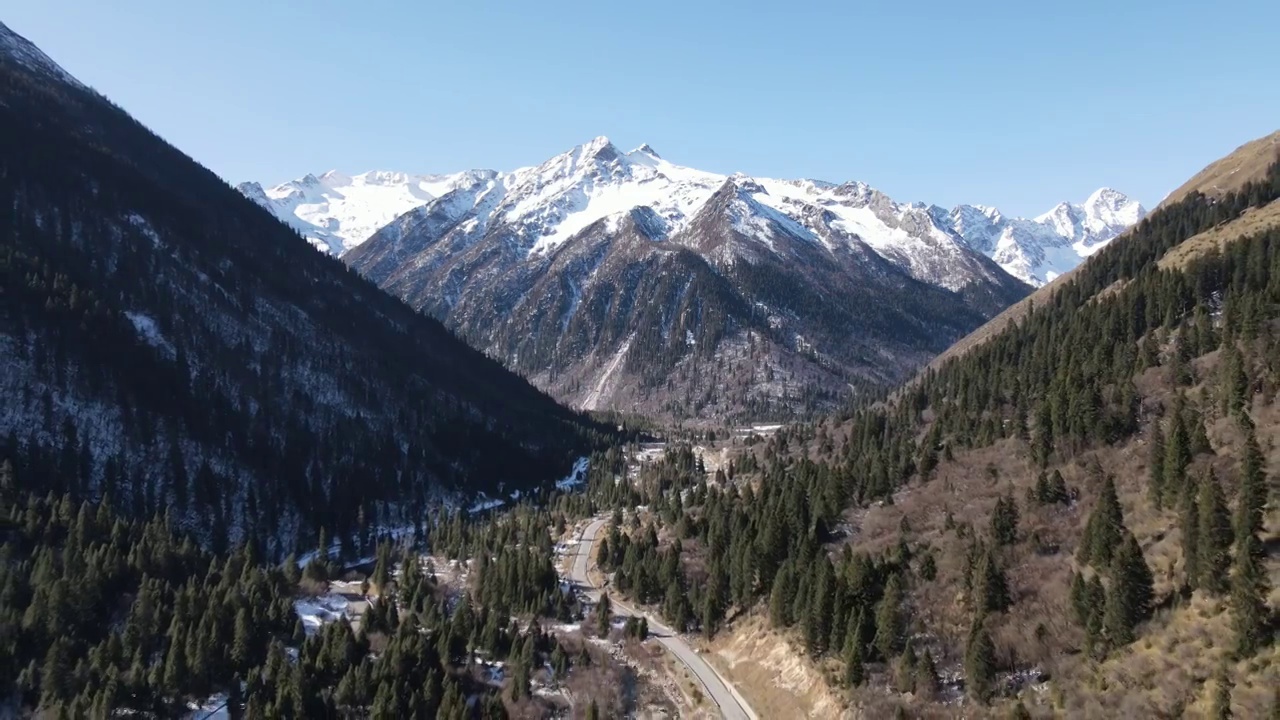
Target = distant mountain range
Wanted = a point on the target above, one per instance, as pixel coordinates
(338, 212)
(622, 280)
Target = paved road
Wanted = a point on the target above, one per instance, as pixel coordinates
(732, 705)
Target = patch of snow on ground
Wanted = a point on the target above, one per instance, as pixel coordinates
(148, 330)
(144, 227)
(577, 476)
(318, 611)
(485, 503)
(213, 707)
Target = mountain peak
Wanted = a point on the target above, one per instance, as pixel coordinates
(646, 149)
(333, 177)
(599, 147)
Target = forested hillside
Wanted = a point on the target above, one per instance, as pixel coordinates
(104, 616)
(168, 344)
(1075, 516)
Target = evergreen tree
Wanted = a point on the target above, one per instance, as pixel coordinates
(1249, 589)
(604, 615)
(1214, 536)
(979, 665)
(927, 684)
(891, 626)
(1189, 523)
(1252, 501)
(854, 671)
(1129, 597)
(1004, 521)
(990, 589)
(1103, 530)
(1155, 466)
(1177, 457)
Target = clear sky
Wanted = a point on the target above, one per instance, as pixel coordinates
(1014, 104)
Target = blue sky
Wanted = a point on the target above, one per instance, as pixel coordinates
(1013, 104)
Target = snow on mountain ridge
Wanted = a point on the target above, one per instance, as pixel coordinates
(544, 206)
(25, 53)
(1038, 250)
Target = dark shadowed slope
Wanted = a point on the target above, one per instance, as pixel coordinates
(156, 324)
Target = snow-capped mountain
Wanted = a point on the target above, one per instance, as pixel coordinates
(1036, 251)
(620, 279)
(547, 204)
(601, 273)
(336, 212)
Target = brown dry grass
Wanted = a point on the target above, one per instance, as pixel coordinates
(775, 677)
(1176, 650)
(1251, 223)
(1171, 666)
(1247, 162)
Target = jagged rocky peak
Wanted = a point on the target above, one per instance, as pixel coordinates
(743, 183)
(600, 148)
(254, 192)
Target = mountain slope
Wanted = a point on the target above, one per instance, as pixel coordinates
(1076, 517)
(1247, 163)
(621, 280)
(159, 326)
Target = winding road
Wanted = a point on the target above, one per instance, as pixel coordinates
(732, 705)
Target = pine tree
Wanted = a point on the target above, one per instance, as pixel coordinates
(241, 643)
(1097, 599)
(1235, 381)
(891, 627)
(927, 683)
(854, 671)
(1189, 523)
(1249, 587)
(1155, 466)
(1214, 536)
(604, 615)
(1004, 521)
(1252, 501)
(1080, 598)
(1103, 530)
(990, 589)
(1129, 597)
(979, 665)
(382, 571)
(1177, 457)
